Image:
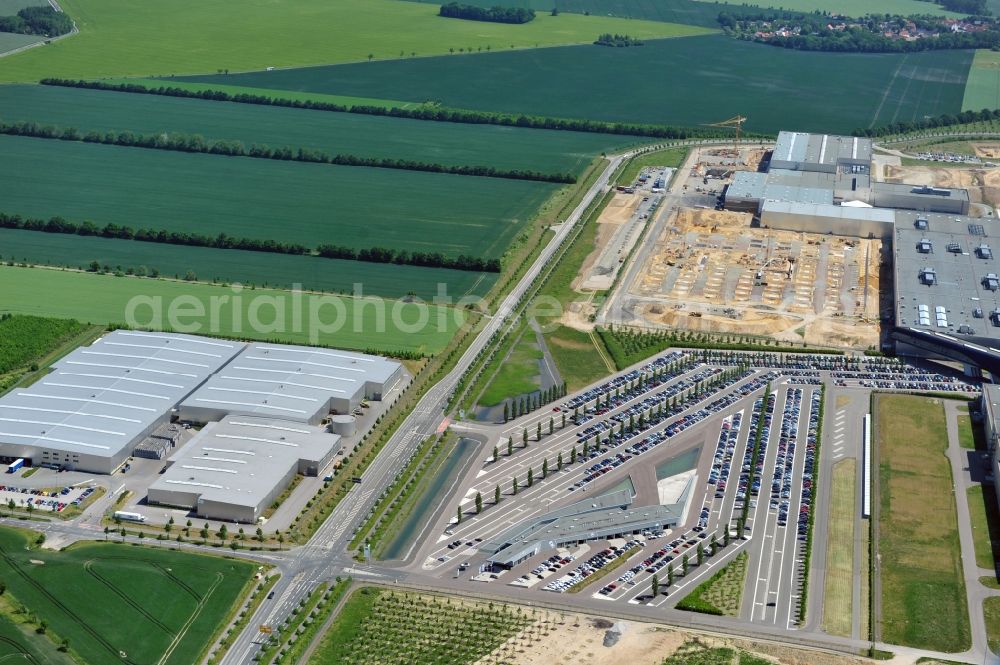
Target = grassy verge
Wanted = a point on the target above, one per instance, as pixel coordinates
(985, 517)
(398, 498)
(722, 592)
(311, 626)
(579, 361)
(839, 587)
(517, 372)
(257, 596)
(672, 157)
(991, 614)
(285, 635)
(922, 585)
(807, 555)
(607, 570)
(990, 582)
(967, 434)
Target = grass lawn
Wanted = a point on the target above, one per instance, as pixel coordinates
(982, 89)
(991, 612)
(579, 361)
(721, 593)
(383, 626)
(985, 517)
(518, 373)
(20, 643)
(669, 157)
(966, 435)
(104, 299)
(698, 80)
(839, 585)
(134, 38)
(923, 590)
(101, 596)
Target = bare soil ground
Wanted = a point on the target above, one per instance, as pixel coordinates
(618, 211)
(983, 183)
(579, 639)
(987, 150)
(711, 272)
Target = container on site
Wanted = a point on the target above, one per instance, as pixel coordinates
(15, 465)
(130, 517)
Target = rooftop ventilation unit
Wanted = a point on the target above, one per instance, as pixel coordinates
(984, 251)
(991, 282)
(924, 246)
(976, 230)
(921, 223)
(954, 248)
(928, 277)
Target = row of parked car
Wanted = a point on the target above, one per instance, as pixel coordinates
(750, 473)
(809, 467)
(551, 565)
(589, 567)
(619, 381)
(781, 482)
(43, 499)
(677, 426)
(725, 448)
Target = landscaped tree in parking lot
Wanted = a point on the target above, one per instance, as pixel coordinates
(552, 424)
(725, 538)
(714, 544)
(506, 411)
(524, 437)
(545, 468)
(496, 495)
(572, 456)
(510, 446)
(654, 586)
(531, 477)
(563, 426)
(684, 565)
(496, 453)
(538, 434)
(701, 553)
(559, 461)
(479, 502)
(513, 485)
(670, 574)
(459, 511)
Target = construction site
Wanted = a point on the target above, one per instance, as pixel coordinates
(711, 271)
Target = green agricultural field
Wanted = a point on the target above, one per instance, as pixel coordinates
(982, 90)
(688, 12)
(698, 80)
(383, 626)
(285, 271)
(134, 38)
(923, 588)
(343, 322)
(21, 644)
(12, 40)
(547, 151)
(11, 7)
(294, 202)
(152, 604)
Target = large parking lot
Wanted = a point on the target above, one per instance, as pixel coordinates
(756, 424)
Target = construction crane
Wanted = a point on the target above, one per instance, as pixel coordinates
(736, 122)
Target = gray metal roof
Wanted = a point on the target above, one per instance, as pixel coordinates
(241, 459)
(820, 149)
(290, 382)
(831, 210)
(939, 193)
(958, 303)
(100, 398)
(590, 519)
(747, 185)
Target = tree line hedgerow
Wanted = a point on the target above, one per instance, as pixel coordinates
(223, 241)
(934, 122)
(607, 39)
(37, 21)
(491, 15)
(429, 113)
(197, 144)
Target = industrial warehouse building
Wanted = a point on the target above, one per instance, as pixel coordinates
(263, 405)
(234, 469)
(947, 290)
(100, 401)
(296, 383)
